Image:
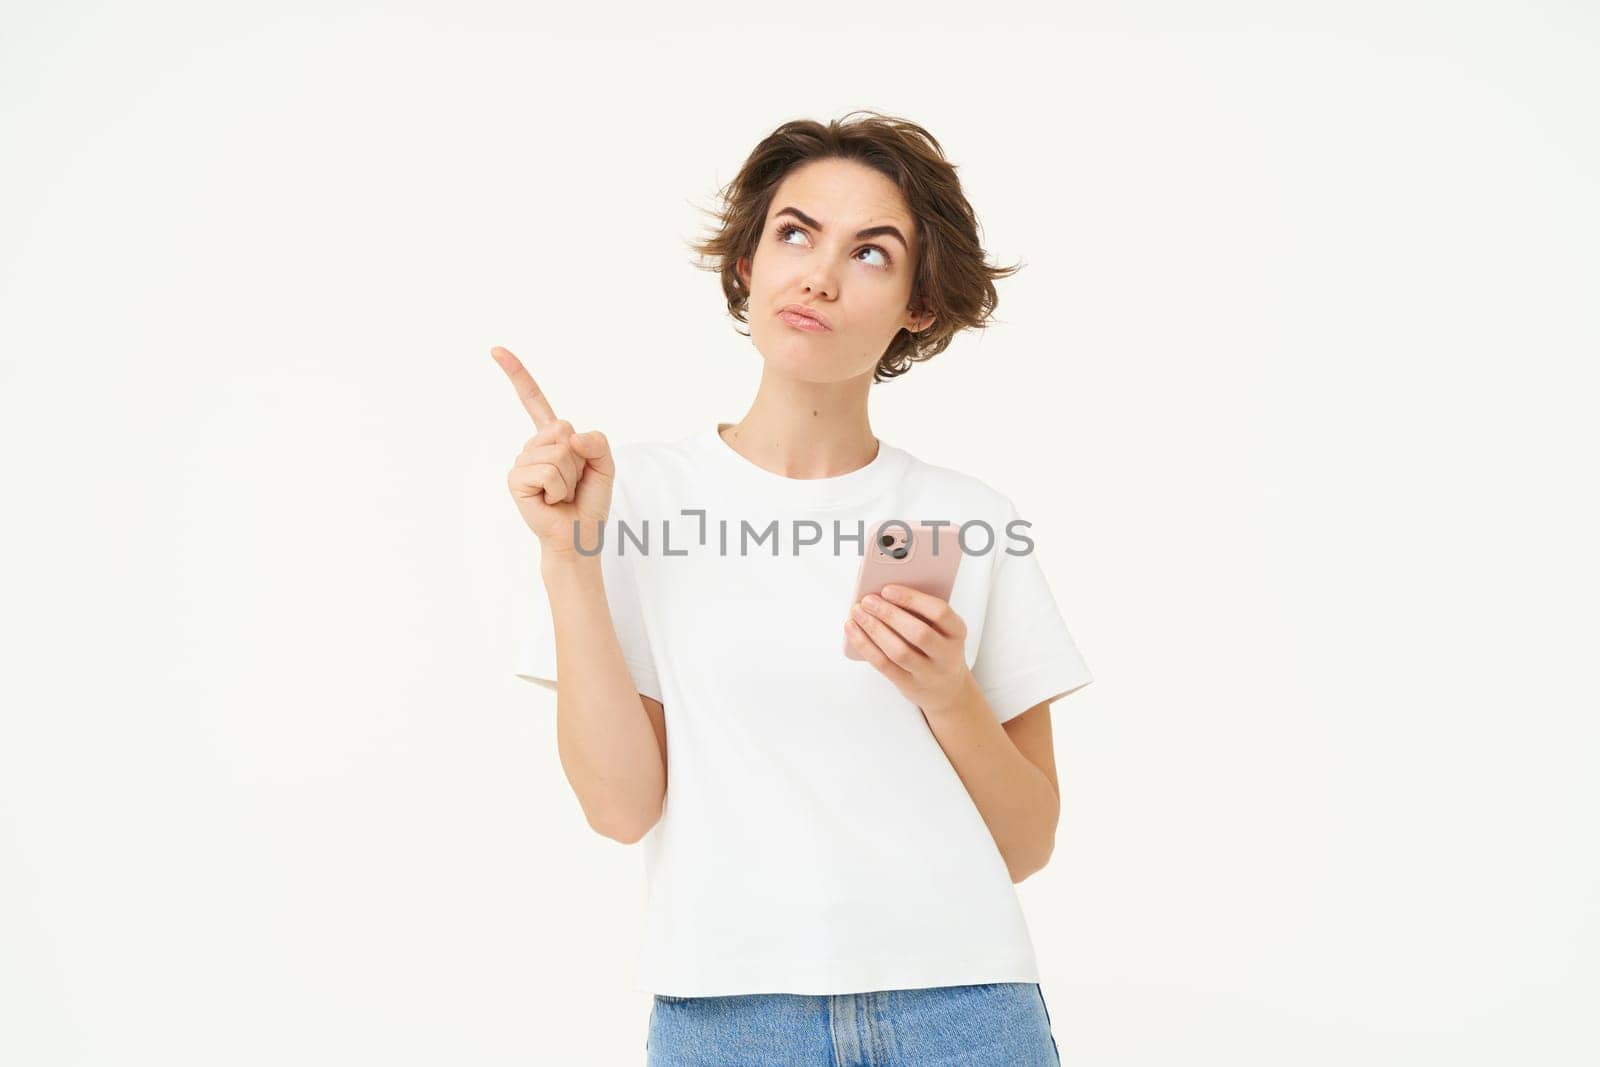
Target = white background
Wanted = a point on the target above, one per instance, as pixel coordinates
(1298, 386)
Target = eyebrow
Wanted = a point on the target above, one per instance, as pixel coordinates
(870, 231)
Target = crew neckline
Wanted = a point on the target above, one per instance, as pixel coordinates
(840, 490)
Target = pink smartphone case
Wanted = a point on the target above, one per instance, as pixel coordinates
(920, 569)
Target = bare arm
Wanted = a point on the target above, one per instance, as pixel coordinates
(614, 756)
(1003, 766)
(612, 743)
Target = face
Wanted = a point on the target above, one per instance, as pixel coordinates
(812, 253)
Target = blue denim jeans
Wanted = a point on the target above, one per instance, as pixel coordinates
(993, 1024)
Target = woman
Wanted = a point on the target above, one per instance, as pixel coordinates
(831, 869)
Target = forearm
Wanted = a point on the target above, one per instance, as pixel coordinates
(1016, 800)
(607, 745)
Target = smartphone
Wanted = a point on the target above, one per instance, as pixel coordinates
(900, 553)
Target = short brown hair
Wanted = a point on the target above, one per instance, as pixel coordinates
(951, 280)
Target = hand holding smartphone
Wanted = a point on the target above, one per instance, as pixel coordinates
(893, 557)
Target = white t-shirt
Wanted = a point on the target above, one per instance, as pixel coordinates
(815, 838)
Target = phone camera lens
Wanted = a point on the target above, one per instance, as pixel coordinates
(886, 540)
(900, 553)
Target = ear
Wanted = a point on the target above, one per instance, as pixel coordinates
(741, 267)
(917, 322)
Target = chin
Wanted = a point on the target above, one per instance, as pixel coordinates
(795, 361)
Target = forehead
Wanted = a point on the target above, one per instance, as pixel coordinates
(843, 192)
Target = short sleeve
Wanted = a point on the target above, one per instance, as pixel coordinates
(535, 659)
(1026, 655)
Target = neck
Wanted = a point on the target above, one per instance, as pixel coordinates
(806, 429)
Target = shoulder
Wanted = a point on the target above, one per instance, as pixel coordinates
(647, 467)
(967, 498)
(651, 452)
(967, 494)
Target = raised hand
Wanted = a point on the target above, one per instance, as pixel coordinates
(560, 477)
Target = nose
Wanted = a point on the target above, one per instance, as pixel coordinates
(820, 281)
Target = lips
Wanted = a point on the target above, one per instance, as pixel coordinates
(806, 312)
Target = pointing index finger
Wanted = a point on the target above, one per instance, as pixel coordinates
(528, 391)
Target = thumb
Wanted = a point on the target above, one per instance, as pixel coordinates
(593, 446)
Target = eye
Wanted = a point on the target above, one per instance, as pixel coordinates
(784, 229)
